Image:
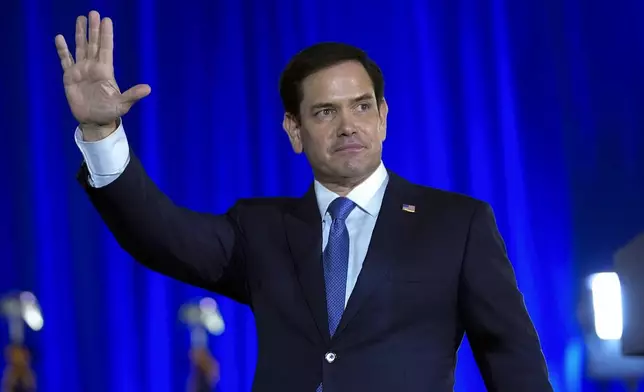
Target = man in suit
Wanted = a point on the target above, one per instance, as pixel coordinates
(366, 283)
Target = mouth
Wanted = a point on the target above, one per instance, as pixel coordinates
(350, 147)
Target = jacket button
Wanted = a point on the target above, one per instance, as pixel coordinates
(330, 357)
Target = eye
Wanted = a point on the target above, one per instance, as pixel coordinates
(324, 113)
(363, 107)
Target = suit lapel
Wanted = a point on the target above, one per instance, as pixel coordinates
(304, 233)
(391, 236)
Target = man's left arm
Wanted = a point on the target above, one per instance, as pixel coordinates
(503, 339)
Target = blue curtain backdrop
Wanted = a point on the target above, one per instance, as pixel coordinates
(535, 106)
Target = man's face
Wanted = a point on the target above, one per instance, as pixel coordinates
(341, 128)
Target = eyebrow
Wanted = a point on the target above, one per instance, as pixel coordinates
(363, 97)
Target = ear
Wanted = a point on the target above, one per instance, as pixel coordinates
(383, 110)
(292, 128)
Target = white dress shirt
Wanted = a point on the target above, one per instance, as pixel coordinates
(361, 221)
(106, 159)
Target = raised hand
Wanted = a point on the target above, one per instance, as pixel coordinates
(93, 95)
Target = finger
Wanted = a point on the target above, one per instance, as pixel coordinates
(81, 38)
(66, 59)
(132, 96)
(135, 93)
(106, 50)
(94, 32)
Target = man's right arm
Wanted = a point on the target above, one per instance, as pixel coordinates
(196, 248)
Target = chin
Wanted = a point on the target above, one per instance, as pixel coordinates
(355, 169)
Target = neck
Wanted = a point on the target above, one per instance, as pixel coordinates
(342, 186)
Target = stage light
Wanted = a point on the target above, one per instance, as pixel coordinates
(31, 313)
(607, 305)
(601, 318)
(210, 316)
(20, 309)
(202, 318)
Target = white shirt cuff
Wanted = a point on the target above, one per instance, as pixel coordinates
(107, 158)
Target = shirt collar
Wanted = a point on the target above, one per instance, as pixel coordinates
(361, 194)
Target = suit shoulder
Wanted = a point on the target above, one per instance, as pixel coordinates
(454, 208)
(265, 202)
(449, 198)
(451, 205)
(254, 210)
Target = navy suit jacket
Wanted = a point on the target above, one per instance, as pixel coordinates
(428, 277)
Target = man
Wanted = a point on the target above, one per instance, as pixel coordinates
(366, 283)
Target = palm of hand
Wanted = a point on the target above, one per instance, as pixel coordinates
(92, 92)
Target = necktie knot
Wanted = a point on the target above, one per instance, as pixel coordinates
(340, 208)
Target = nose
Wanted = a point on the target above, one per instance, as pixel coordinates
(347, 125)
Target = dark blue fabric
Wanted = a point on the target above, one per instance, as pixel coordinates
(336, 260)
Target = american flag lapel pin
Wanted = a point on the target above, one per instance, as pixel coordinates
(409, 208)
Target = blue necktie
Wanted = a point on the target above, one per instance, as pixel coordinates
(336, 262)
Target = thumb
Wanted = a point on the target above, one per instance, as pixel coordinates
(135, 93)
(132, 96)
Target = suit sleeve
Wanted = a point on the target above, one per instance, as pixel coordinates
(503, 339)
(200, 249)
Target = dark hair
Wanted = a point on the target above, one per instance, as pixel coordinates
(317, 57)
